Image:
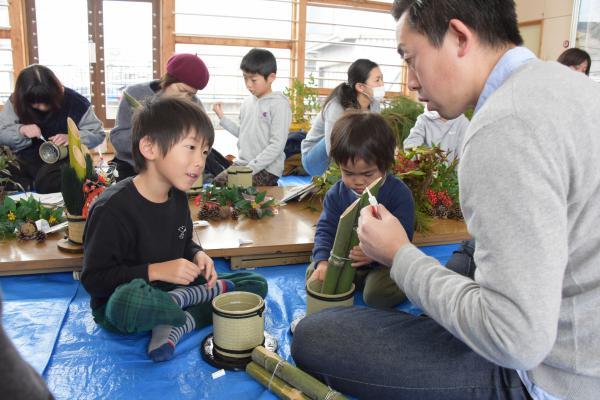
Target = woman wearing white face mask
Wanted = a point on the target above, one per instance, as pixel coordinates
(363, 91)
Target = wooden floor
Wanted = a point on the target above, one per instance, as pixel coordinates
(286, 238)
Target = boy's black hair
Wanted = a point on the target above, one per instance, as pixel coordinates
(494, 21)
(166, 121)
(363, 135)
(259, 61)
(574, 56)
(36, 84)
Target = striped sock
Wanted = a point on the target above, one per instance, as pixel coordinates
(186, 296)
(165, 338)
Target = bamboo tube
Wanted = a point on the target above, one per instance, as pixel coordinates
(274, 384)
(131, 100)
(346, 277)
(341, 248)
(310, 386)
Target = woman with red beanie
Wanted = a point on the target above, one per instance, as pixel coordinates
(186, 74)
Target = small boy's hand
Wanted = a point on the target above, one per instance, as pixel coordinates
(180, 271)
(207, 266)
(359, 257)
(218, 109)
(319, 272)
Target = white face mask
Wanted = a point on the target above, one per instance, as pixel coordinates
(378, 93)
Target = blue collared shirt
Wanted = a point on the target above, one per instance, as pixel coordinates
(508, 63)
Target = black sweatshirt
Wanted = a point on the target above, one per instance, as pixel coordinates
(125, 232)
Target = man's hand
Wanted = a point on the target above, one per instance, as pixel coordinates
(180, 271)
(380, 239)
(30, 131)
(207, 267)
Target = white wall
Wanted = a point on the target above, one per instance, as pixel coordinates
(556, 23)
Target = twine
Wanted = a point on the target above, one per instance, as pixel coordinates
(331, 394)
(273, 375)
(337, 260)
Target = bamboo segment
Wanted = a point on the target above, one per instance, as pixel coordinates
(340, 249)
(131, 100)
(346, 277)
(77, 150)
(274, 384)
(311, 387)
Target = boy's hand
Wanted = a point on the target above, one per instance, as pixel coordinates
(180, 271)
(207, 266)
(60, 139)
(319, 272)
(359, 257)
(218, 109)
(30, 131)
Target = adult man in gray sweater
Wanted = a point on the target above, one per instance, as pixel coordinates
(528, 323)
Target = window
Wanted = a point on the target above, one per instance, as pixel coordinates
(265, 19)
(336, 37)
(100, 47)
(587, 31)
(6, 70)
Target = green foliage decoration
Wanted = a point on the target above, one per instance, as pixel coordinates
(14, 213)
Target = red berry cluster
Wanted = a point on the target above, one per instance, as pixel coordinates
(404, 165)
(440, 197)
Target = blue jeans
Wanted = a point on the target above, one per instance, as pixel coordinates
(388, 354)
(316, 160)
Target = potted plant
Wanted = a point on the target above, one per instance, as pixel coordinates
(80, 186)
(304, 101)
(7, 161)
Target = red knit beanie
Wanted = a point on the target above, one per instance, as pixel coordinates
(189, 69)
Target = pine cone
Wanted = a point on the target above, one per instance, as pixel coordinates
(255, 213)
(235, 214)
(40, 236)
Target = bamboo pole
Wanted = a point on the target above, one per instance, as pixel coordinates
(348, 273)
(341, 248)
(310, 386)
(274, 384)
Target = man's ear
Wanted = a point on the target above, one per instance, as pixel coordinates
(462, 36)
(271, 77)
(148, 149)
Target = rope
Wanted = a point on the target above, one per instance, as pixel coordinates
(273, 375)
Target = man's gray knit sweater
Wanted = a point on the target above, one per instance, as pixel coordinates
(530, 193)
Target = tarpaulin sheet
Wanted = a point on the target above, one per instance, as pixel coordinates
(87, 362)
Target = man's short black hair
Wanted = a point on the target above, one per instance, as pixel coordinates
(166, 121)
(259, 61)
(363, 135)
(494, 21)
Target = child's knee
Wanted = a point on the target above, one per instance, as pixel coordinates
(248, 282)
(383, 298)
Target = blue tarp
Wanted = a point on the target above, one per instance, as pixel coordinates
(49, 319)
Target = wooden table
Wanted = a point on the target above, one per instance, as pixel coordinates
(286, 238)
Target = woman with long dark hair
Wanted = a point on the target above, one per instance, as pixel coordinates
(36, 112)
(362, 91)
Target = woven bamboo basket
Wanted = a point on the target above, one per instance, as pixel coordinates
(316, 301)
(238, 323)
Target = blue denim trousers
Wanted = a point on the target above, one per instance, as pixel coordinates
(316, 160)
(388, 354)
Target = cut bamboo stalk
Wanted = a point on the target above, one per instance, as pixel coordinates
(310, 386)
(348, 273)
(340, 249)
(273, 383)
(131, 100)
(77, 150)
